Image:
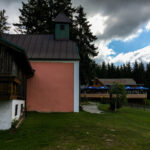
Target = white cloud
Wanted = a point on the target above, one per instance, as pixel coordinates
(148, 26)
(108, 55)
(138, 55)
(124, 19)
(132, 36)
(98, 23)
(105, 53)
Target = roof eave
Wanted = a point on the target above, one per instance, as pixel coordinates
(19, 50)
(52, 59)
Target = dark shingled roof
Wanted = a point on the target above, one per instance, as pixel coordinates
(62, 18)
(120, 81)
(20, 56)
(44, 47)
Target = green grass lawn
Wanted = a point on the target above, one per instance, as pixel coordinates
(127, 129)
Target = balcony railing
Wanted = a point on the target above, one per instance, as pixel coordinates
(10, 88)
(107, 95)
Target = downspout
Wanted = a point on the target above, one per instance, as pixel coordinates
(79, 75)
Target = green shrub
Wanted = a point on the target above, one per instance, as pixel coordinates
(14, 124)
(117, 96)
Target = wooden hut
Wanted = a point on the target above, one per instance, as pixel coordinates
(15, 69)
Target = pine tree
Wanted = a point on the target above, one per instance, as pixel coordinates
(97, 70)
(147, 78)
(64, 6)
(112, 70)
(36, 17)
(108, 71)
(136, 71)
(87, 49)
(3, 22)
(118, 72)
(104, 70)
(128, 70)
(147, 74)
(121, 71)
(84, 34)
(141, 73)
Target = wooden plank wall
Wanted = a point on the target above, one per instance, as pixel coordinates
(9, 67)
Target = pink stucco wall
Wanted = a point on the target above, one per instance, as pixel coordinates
(51, 88)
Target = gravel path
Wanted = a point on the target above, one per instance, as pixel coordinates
(92, 108)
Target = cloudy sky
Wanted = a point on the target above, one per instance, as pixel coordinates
(122, 27)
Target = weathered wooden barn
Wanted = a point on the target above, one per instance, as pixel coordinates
(15, 69)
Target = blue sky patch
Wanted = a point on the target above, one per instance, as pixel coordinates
(141, 41)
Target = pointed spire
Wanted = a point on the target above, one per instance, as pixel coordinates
(62, 18)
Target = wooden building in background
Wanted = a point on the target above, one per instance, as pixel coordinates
(130, 85)
(109, 82)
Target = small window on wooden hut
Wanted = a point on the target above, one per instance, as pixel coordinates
(14, 69)
(16, 110)
(22, 108)
(62, 27)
